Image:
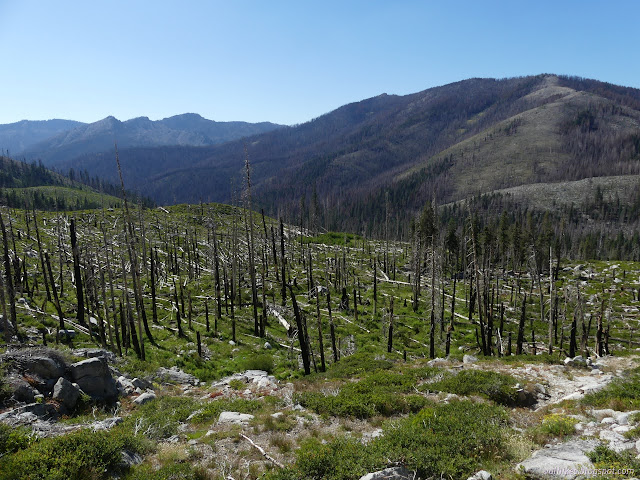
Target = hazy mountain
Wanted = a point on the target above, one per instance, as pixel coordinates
(446, 143)
(188, 129)
(17, 137)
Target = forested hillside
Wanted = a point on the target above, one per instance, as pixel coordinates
(444, 144)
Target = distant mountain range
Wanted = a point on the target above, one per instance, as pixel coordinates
(56, 141)
(445, 143)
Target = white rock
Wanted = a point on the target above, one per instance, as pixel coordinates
(234, 418)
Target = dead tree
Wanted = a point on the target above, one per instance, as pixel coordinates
(75, 252)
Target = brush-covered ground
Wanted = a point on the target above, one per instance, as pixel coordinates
(376, 404)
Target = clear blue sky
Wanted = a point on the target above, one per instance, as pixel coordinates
(289, 61)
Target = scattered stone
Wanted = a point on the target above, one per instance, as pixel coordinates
(66, 393)
(234, 418)
(617, 442)
(267, 346)
(144, 398)
(563, 461)
(393, 473)
(368, 436)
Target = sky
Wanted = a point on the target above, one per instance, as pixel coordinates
(289, 61)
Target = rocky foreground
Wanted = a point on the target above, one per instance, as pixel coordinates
(46, 388)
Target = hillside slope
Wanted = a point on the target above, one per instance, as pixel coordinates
(446, 143)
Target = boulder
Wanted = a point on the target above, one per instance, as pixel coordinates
(94, 378)
(392, 473)
(469, 359)
(481, 475)
(566, 460)
(176, 376)
(66, 393)
(234, 418)
(144, 398)
(44, 366)
(21, 390)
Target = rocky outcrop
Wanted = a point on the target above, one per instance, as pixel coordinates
(94, 378)
(567, 460)
(66, 393)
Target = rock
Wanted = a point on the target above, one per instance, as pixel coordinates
(481, 475)
(107, 423)
(129, 459)
(564, 461)
(67, 333)
(469, 359)
(608, 420)
(617, 442)
(267, 346)
(176, 376)
(66, 393)
(43, 366)
(94, 378)
(393, 473)
(234, 418)
(623, 418)
(141, 383)
(368, 436)
(232, 343)
(145, 397)
(21, 390)
(437, 361)
(95, 353)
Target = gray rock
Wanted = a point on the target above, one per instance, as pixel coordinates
(21, 390)
(564, 461)
(129, 459)
(469, 359)
(141, 383)
(392, 473)
(107, 423)
(267, 346)
(481, 475)
(145, 397)
(234, 418)
(66, 393)
(94, 378)
(176, 376)
(43, 366)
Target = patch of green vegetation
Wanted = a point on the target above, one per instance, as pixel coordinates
(160, 418)
(492, 385)
(14, 439)
(237, 384)
(259, 362)
(211, 410)
(171, 471)
(554, 426)
(381, 393)
(442, 441)
(339, 459)
(357, 364)
(621, 394)
(336, 238)
(610, 462)
(75, 456)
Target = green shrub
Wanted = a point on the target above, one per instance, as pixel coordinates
(340, 459)
(14, 439)
(259, 362)
(607, 460)
(492, 385)
(447, 440)
(554, 426)
(174, 471)
(357, 364)
(381, 393)
(76, 456)
(160, 418)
